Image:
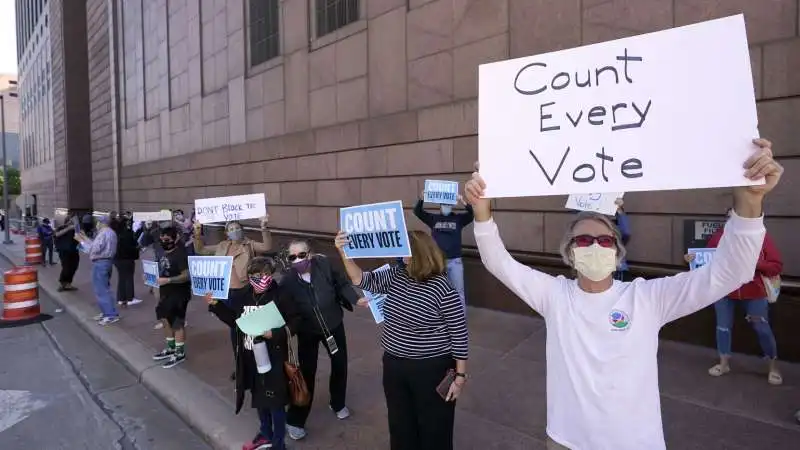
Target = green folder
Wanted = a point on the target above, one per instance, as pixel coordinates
(261, 320)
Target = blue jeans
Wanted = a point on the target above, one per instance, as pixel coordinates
(101, 284)
(757, 313)
(273, 426)
(455, 273)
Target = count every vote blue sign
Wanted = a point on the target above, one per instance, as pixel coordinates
(210, 274)
(376, 230)
(441, 192)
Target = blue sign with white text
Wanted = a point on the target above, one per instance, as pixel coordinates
(377, 230)
(150, 269)
(702, 256)
(441, 192)
(210, 274)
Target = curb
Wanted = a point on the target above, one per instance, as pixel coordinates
(193, 400)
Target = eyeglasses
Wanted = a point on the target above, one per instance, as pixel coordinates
(587, 240)
(301, 255)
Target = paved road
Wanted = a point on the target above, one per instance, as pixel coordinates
(59, 389)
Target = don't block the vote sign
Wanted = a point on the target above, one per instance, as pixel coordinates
(376, 231)
(224, 209)
(210, 274)
(668, 110)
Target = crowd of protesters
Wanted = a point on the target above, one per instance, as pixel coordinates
(425, 335)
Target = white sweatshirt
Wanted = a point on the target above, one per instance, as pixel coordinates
(602, 372)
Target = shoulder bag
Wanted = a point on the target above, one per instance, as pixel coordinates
(298, 389)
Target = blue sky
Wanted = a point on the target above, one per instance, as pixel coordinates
(8, 37)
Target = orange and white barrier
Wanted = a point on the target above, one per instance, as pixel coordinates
(33, 251)
(21, 296)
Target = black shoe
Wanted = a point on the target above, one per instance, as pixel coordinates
(176, 359)
(167, 353)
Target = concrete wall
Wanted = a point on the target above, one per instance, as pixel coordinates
(367, 113)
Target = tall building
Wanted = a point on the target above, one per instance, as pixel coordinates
(327, 103)
(11, 113)
(53, 95)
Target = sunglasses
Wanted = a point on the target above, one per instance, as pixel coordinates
(301, 255)
(587, 240)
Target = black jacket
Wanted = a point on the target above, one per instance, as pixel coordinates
(329, 289)
(269, 390)
(127, 245)
(66, 243)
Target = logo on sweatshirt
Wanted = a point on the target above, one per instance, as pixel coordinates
(619, 319)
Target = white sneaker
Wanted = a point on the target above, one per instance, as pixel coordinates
(342, 414)
(158, 326)
(98, 317)
(134, 301)
(295, 433)
(108, 321)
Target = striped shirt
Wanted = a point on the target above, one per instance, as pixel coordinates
(104, 245)
(421, 319)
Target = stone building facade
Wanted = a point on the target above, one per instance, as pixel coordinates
(366, 112)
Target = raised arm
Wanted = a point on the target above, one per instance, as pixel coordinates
(266, 237)
(528, 284)
(199, 247)
(737, 254)
(426, 217)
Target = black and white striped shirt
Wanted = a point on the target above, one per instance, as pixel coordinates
(421, 319)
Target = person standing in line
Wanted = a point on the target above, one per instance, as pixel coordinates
(125, 262)
(269, 391)
(67, 248)
(45, 233)
(319, 292)
(242, 249)
(424, 338)
(602, 334)
(185, 227)
(175, 292)
(752, 296)
(446, 231)
(623, 224)
(101, 252)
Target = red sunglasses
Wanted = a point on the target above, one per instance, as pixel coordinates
(587, 240)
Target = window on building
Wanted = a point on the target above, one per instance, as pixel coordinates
(334, 14)
(264, 30)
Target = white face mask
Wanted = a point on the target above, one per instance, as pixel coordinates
(595, 262)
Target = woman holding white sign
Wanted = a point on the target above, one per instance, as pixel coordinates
(425, 342)
(602, 334)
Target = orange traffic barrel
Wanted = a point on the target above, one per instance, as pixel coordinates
(21, 294)
(33, 250)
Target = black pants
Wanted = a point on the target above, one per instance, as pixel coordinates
(69, 265)
(47, 249)
(419, 419)
(126, 270)
(307, 354)
(236, 296)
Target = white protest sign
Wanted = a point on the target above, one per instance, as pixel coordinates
(159, 216)
(224, 209)
(673, 109)
(602, 203)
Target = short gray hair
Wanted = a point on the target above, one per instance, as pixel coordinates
(565, 248)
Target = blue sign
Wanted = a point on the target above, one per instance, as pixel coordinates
(441, 192)
(210, 274)
(150, 269)
(377, 230)
(702, 256)
(376, 300)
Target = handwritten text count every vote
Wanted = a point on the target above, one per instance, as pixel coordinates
(372, 229)
(535, 78)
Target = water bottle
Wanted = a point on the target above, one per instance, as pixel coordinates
(260, 352)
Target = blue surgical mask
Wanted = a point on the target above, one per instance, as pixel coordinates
(235, 235)
(446, 210)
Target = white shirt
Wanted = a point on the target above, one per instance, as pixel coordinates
(602, 372)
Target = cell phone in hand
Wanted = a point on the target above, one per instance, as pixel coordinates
(444, 386)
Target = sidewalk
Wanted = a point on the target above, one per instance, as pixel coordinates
(503, 406)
